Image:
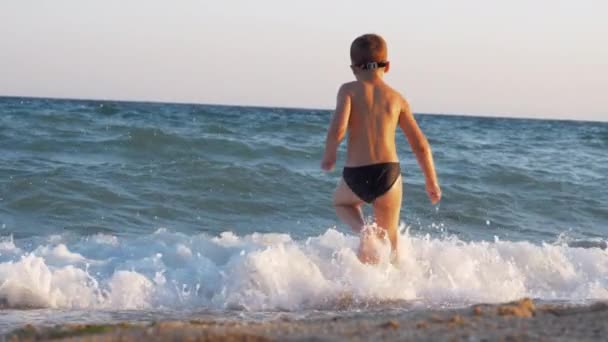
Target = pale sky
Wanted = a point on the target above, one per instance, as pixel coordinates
(533, 58)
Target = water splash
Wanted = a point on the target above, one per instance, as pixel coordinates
(275, 272)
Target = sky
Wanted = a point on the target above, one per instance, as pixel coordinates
(530, 58)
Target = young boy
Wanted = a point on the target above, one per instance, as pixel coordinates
(370, 110)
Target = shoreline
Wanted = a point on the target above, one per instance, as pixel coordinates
(519, 320)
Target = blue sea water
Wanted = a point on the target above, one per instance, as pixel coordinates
(111, 206)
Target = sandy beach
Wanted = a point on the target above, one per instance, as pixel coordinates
(521, 320)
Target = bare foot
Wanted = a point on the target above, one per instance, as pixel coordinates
(370, 241)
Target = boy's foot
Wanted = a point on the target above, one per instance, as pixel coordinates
(371, 240)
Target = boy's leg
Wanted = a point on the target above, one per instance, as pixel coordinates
(348, 207)
(386, 212)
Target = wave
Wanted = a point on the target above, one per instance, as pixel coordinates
(261, 272)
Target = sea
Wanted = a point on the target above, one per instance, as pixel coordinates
(123, 211)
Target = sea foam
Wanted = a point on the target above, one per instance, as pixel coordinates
(275, 272)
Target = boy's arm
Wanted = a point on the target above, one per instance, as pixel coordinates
(337, 129)
(422, 150)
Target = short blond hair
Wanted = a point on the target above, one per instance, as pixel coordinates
(368, 48)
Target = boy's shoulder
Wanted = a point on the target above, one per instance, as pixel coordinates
(348, 87)
(356, 84)
(393, 90)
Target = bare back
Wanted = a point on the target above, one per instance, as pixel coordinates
(374, 117)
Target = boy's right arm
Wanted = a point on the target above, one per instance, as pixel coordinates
(422, 150)
(337, 129)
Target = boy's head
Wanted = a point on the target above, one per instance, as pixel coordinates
(368, 50)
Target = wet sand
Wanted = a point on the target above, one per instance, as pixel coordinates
(521, 320)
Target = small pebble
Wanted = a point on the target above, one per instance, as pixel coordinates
(391, 324)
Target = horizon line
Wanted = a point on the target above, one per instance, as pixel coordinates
(470, 115)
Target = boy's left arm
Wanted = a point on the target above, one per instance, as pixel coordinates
(337, 129)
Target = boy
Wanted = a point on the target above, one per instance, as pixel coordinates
(370, 111)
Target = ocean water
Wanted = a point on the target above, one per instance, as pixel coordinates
(115, 210)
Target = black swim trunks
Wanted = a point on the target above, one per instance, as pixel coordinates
(371, 181)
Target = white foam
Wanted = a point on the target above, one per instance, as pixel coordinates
(7, 245)
(275, 272)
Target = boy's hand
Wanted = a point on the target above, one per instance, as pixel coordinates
(434, 191)
(329, 162)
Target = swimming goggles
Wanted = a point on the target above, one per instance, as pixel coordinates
(370, 65)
